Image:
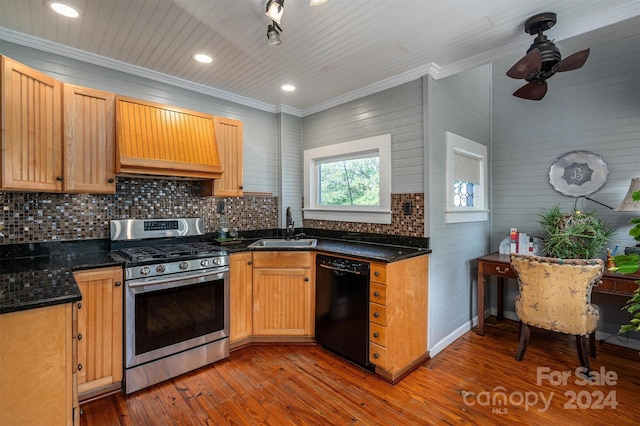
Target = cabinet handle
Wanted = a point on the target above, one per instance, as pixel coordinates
(376, 335)
(59, 178)
(250, 262)
(79, 305)
(376, 314)
(118, 283)
(376, 293)
(306, 279)
(111, 180)
(79, 367)
(376, 273)
(376, 356)
(79, 336)
(241, 187)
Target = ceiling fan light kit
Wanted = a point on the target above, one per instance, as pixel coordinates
(543, 59)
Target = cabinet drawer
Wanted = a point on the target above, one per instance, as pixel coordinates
(282, 259)
(616, 286)
(378, 313)
(377, 334)
(378, 273)
(378, 293)
(378, 355)
(499, 269)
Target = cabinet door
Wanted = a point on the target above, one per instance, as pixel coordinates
(282, 302)
(241, 306)
(229, 140)
(36, 381)
(89, 140)
(31, 129)
(99, 329)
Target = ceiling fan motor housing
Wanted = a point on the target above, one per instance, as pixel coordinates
(550, 55)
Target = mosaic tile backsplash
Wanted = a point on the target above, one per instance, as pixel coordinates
(34, 217)
(37, 217)
(401, 224)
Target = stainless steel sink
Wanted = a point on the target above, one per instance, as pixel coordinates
(276, 243)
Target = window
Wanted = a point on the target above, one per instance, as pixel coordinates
(349, 181)
(466, 180)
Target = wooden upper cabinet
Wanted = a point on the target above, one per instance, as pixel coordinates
(31, 129)
(229, 138)
(89, 140)
(157, 139)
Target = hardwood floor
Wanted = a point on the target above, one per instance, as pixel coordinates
(475, 380)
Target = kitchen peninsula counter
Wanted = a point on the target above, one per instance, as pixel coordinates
(38, 275)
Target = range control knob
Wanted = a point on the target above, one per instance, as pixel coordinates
(160, 269)
(183, 266)
(145, 270)
(217, 261)
(204, 262)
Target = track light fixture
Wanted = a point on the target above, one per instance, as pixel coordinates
(275, 9)
(273, 35)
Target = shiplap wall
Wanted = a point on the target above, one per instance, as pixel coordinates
(595, 108)
(460, 104)
(291, 168)
(259, 127)
(397, 111)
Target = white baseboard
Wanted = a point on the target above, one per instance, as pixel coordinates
(451, 337)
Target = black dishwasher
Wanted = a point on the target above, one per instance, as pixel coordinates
(342, 308)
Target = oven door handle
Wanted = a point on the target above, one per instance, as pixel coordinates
(176, 277)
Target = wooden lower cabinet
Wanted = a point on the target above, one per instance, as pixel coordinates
(241, 299)
(398, 316)
(283, 294)
(37, 383)
(100, 341)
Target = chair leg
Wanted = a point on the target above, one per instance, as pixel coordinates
(524, 340)
(592, 344)
(583, 354)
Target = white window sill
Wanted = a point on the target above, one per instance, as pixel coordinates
(367, 216)
(457, 216)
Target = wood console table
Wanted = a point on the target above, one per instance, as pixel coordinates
(499, 265)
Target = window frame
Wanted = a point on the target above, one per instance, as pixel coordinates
(457, 144)
(348, 150)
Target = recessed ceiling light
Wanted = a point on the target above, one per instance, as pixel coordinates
(201, 57)
(64, 9)
(288, 87)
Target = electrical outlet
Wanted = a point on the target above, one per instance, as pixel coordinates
(220, 208)
(406, 207)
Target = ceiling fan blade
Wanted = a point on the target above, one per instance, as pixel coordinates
(531, 62)
(533, 91)
(574, 61)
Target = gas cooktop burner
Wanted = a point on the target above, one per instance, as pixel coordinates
(170, 251)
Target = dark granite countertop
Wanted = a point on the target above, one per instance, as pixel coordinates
(41, 274)
(38, 275)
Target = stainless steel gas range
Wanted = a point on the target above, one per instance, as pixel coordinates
(176, 298)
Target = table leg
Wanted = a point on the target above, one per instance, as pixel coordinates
(481, 281)
(500, 286)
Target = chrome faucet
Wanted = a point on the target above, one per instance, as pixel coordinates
(289, 229)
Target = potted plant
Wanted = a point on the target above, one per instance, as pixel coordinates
(573, 235)
(628, 264)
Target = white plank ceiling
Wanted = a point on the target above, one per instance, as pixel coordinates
(330, 52)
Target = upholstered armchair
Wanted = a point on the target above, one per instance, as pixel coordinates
(555, 294)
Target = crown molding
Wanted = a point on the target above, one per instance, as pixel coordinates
(92, 58)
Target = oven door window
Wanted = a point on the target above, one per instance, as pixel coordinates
(174, 315)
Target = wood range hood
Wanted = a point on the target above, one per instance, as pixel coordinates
(164, 141)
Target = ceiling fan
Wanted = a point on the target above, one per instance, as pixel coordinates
(543, 59)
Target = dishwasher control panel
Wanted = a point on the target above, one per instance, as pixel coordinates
(345, 265)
